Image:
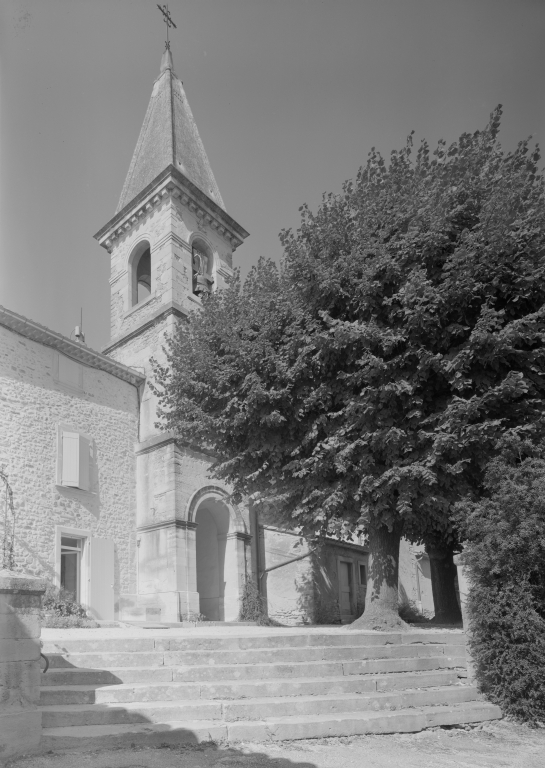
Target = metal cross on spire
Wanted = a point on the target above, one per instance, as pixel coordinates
(168, 22)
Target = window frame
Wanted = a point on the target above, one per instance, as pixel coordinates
(84, 534)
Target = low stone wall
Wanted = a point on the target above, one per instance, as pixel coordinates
(20, 718)
(463, 588)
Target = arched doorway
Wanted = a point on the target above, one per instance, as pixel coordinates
(221, 556)
(212, 520)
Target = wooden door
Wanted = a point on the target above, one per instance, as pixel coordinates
(101, 578)
(346, 588)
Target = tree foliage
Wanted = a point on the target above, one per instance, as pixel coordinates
(505, 553)
(367, 380)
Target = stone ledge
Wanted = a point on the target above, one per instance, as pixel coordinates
(12, 581)
(171, 308)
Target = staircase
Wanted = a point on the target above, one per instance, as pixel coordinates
(273, 685)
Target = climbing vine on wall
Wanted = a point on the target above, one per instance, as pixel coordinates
(8, 560)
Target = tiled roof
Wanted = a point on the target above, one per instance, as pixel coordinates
(169, 136)
(74, 349)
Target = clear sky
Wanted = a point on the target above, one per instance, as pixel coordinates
(289, 97)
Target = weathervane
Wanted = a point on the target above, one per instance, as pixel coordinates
(168, 22)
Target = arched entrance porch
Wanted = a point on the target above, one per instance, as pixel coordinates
(221, 545)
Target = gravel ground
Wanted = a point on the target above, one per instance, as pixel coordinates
(495, 744)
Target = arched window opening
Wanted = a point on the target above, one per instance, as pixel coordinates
(201, 259)
(141, 274)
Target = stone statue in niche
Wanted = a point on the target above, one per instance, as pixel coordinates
(202, 281)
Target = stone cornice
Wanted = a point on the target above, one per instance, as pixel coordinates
(171, 183)
(172, 308)
(164, 439)
(166, 524)
(155, 442)
(73, 349)
(240, 535)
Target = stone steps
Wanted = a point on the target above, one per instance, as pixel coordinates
(276, 639)
(278, 685)
(94, 660)
(249, 709)
(242, 689)
(89, 676)
(271, 729)
(197, 658)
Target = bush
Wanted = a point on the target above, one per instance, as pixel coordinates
(52, 621)
(60, 610)
(252, 605)
(505, 553)
(411, 613)
(197, 618)
(326, 610)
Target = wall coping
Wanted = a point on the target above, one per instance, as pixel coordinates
(13, 581)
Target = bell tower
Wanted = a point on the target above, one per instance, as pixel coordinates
(169, 241)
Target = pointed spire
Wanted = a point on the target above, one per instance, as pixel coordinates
(169, 136)
(166, 61)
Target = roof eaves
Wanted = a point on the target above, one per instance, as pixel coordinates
(171, 172)
(73, 349)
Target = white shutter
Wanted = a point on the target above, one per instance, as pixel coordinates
(101, 578)
(76, 456)
(84, 458)
(70, 459)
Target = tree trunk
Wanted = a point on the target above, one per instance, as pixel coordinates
(381, 600)
(443, 574)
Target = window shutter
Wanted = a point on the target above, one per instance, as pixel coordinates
(84, 456)
(76, 452)
(70, 459)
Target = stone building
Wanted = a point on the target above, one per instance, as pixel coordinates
(119, 512)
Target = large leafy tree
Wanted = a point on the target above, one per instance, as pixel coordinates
(365, 383)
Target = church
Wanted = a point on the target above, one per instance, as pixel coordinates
(105, 504)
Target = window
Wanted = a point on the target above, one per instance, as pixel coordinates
(71, 552)
(143, 277)
(74, 459)
(201, 261)
(140, 274)
(363, 575)
(346, 588)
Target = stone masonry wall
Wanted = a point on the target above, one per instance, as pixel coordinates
(33, 402)
(307, 591)
(169, 230)
(20, 718)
